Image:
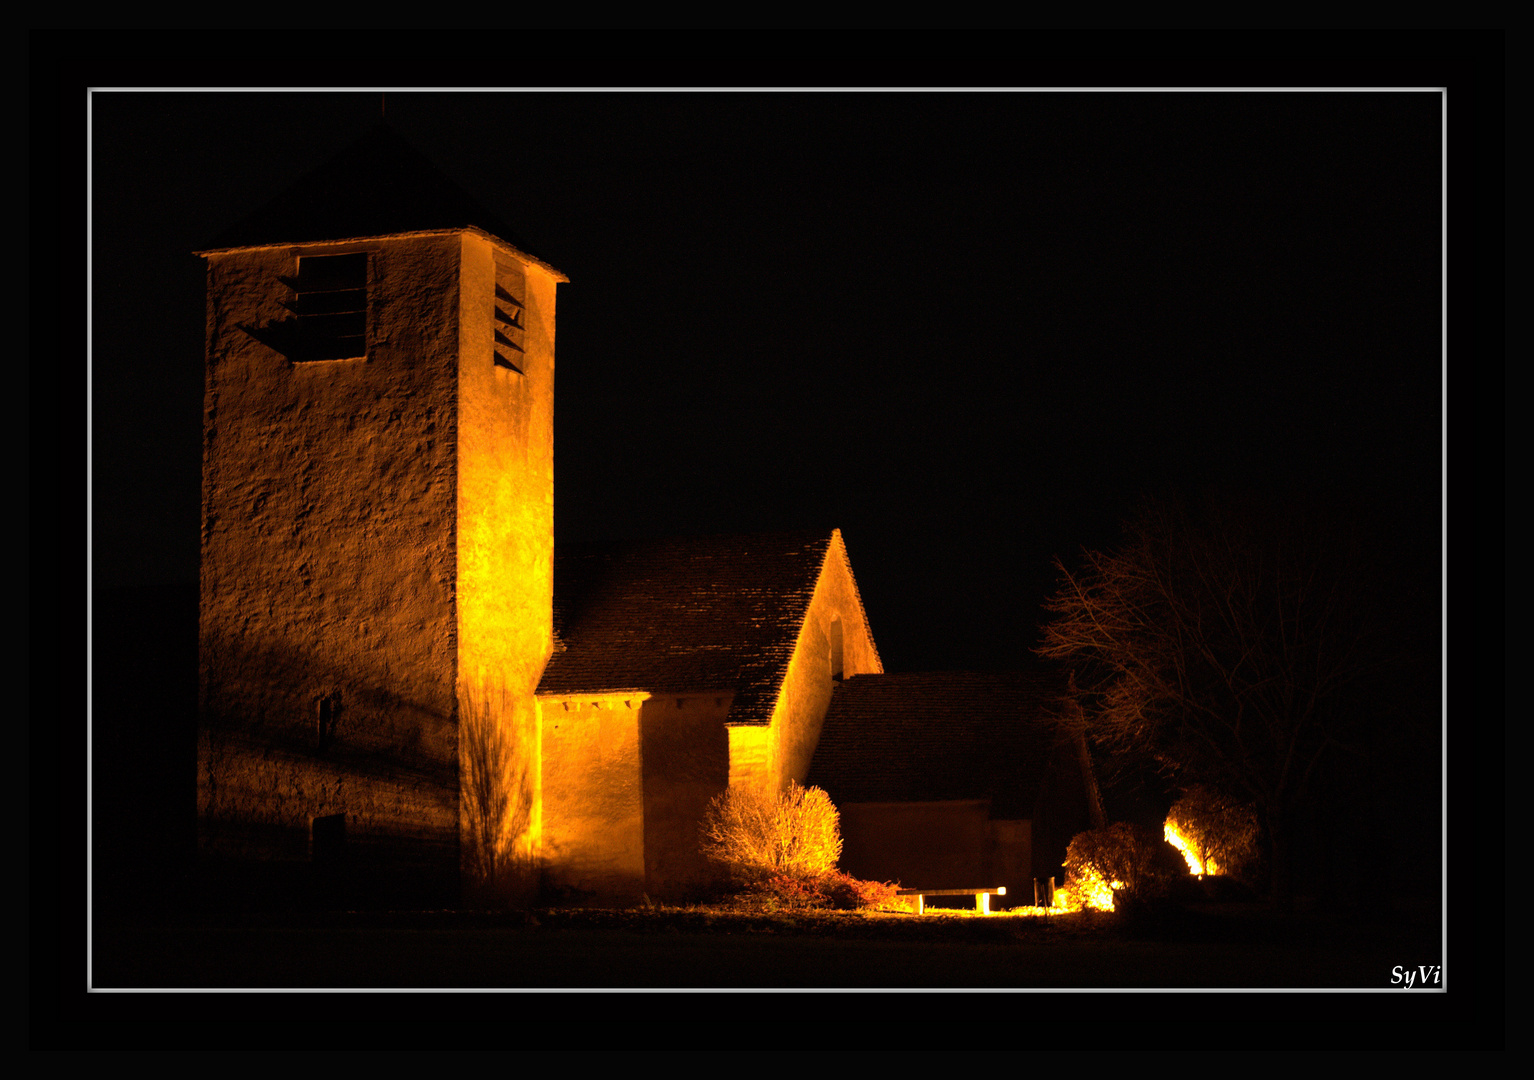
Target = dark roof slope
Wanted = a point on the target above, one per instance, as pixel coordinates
(379, 185)
(698, 613)
(938, 736)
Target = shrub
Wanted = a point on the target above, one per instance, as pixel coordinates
(838, 891)
(781, 849)
(1120, 860)
(757, 835)
(1215, 833)
(852, 894)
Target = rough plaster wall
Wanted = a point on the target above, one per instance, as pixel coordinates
(1012, 861)
(750, 756)
(505, 537)
(593, 798)
(939, 845)
(806, 692)
(686, 763)
(328, 562)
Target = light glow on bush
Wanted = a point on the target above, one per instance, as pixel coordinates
(758, 833)
(1215, 833)
(1087, 890)
(1182, 843)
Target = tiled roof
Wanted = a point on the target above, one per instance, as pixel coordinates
(938, 736)
(699, 613)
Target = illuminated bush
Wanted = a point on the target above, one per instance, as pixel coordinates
(1120, 861)
(788, 892)
(1216, 834)
(757, 834)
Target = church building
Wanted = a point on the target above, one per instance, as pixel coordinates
(399, 675)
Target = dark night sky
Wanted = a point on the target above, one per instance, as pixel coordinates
(969, 329)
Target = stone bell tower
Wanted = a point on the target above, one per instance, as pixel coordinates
(377, 537)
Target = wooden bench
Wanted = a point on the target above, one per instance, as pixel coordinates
(982, 896)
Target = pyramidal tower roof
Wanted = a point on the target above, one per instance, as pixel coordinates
(379, 185)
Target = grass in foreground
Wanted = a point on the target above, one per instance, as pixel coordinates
(702, 947)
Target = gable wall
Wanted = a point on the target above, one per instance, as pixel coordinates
(806, 691)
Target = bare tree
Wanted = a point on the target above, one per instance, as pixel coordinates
(1220, 646)
(497, 796)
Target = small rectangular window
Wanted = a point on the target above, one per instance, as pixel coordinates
(331, 301)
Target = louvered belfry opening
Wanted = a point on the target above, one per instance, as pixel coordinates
(508, 323)
(331, 300)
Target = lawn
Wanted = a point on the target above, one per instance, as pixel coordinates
(1234, 946)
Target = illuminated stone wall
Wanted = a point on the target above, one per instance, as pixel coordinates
(685, 763)
(835, 624)
(376, 552)
(505, 545)
(328, 563)
(750, 756)
(593, 797)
